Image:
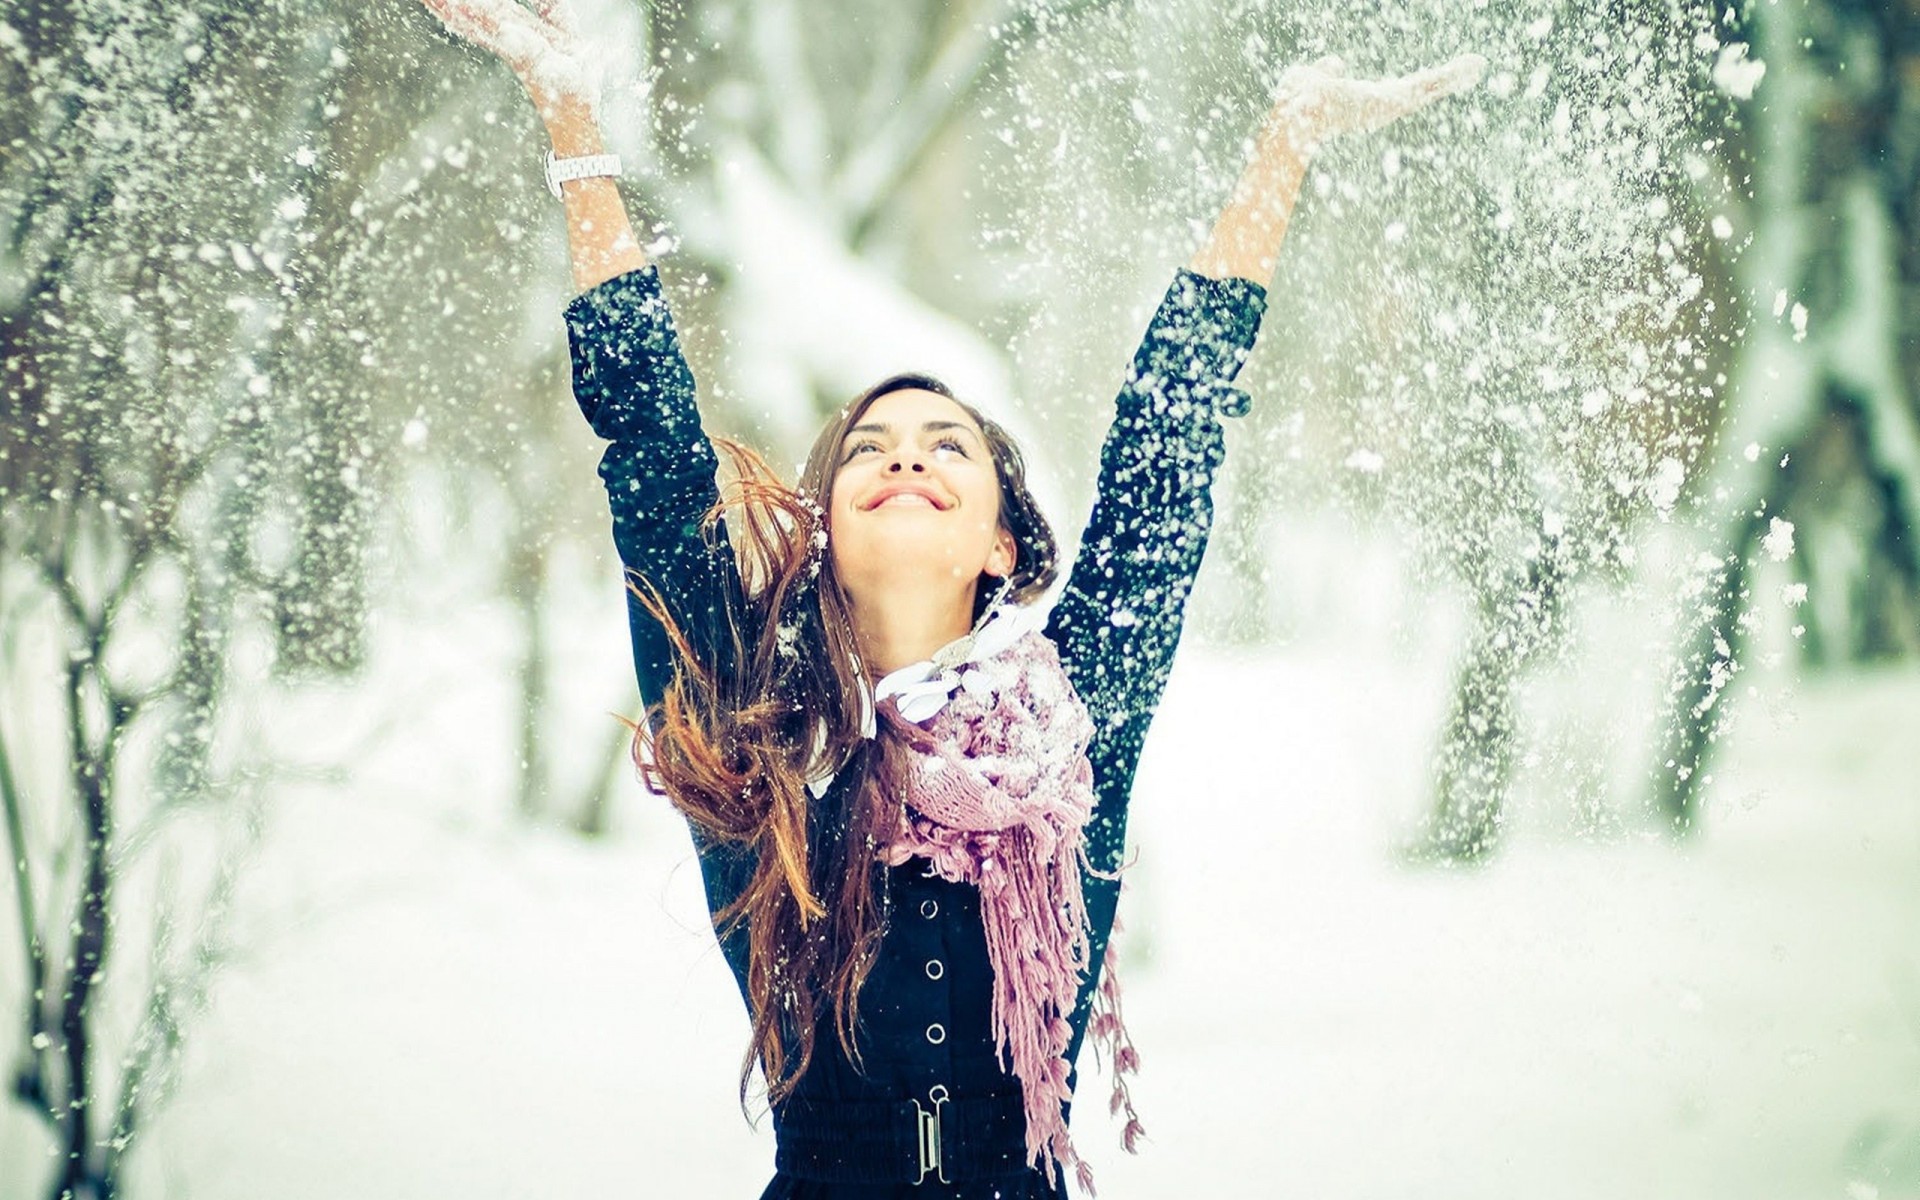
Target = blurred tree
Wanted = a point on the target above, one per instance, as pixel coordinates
(1532, 367)
(167, 473)
(1818, 460)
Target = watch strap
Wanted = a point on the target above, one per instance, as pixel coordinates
(585, 166)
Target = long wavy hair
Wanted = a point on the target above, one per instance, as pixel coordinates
(734, 741)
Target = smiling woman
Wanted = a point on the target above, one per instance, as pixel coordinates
(906, 774)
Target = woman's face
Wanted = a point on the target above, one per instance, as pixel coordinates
(915, 499)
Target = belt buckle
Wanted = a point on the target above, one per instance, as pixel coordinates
(931, 1162)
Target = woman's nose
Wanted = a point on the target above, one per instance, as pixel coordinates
(902, 461)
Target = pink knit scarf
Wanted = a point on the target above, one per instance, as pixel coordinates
(998, 795)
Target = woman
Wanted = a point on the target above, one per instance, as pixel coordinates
(906, 779)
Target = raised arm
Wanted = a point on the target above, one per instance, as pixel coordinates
(1311, 104)
(543, 48)
(1118, 621)
(629, 375)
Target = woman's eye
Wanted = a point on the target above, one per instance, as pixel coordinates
(952, 444)
(857, 447)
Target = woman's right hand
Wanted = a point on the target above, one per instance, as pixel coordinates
(541, 44)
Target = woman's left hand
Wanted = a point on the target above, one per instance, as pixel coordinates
(1311, 104)
(1318, 101)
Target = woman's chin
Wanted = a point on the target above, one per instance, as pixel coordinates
(904, 562)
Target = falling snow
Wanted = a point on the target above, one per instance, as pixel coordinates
(1579, 465)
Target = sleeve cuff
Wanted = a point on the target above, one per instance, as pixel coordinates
(629, 374)
(1205, 327)
(631, 299)
(1195, 345)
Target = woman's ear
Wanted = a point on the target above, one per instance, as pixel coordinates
(1004, 556)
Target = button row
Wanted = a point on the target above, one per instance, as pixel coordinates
(936, 1033)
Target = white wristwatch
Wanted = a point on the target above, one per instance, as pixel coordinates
(586, 166)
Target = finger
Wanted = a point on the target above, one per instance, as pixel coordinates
(506, 28)
(1359, 105)
(1388, 100)
(1463, 72)
(445, 11)
(559, 14)
(463, 21)
(1303, 77)
(1455, 75)
(1384, 101)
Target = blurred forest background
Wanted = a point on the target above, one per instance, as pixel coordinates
(283, 387)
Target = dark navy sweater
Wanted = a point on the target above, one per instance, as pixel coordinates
(926, 1007)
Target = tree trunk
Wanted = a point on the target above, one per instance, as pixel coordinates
(1518, 620)
(526, 586)
(1829, 189)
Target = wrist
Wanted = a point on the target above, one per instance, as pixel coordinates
(572, 128)
(1296, 127)
(560, 171)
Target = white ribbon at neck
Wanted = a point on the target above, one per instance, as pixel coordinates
(920, 690)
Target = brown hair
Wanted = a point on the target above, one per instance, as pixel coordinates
(732, 742)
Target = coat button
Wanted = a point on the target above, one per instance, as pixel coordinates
(936, 1033)
(929, 909)
(935, 968)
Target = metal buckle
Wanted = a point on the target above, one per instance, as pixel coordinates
(930, 1160)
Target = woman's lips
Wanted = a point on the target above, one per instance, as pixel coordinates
(909, 496)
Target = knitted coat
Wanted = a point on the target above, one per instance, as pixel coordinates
(925, 1032)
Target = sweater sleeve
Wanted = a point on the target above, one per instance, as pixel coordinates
(1119, 618)
(636, 391)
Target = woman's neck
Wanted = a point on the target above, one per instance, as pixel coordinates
(899, 630)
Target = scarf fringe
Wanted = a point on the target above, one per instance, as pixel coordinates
(1109, 1026)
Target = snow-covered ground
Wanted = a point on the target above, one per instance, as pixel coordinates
(437, 1002)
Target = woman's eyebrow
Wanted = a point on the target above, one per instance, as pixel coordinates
(925, 427)
(931, 426)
